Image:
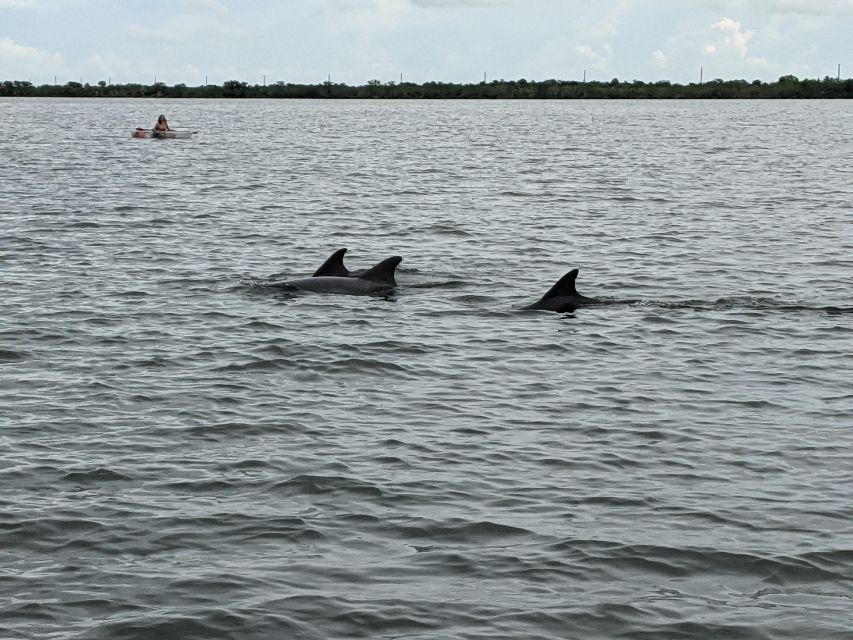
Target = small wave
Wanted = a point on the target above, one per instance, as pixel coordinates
(255, 365)
(49, 531)
(473, 299)
(747, 302)
(318, 485)
(518, 194)
(675, 561)
(199, 486)
(214, 623)
(461, 531)
(734, 303)
(7, 355)
(251, 463)
(261, 324)
(447, 230)
(441, 284)
(340, 366)
(95, 476)
(225, 430)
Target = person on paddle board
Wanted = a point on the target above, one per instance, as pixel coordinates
(162, 124)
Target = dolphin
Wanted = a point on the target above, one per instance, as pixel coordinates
(376, 281)
(563, 297)
(334, 266)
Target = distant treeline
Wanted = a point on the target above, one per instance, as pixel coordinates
(785, 87)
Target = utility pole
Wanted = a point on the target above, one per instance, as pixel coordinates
(205, 81)
(701, 74)
(265, 79)
(839, 71)
(484, 77)
(584, 76)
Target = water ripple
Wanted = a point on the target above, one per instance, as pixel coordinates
(187, 453)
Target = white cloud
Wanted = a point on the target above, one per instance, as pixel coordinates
(730, 55)
(18, 61)
(801, 7)
(208, 18)
(603, 25)
(162, 34)
(598, 32)
(733, 37)
(660, 57)
(598, 58)
(116, 68)
(457, 3)
(368, 16)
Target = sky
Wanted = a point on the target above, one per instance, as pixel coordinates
(354, 41)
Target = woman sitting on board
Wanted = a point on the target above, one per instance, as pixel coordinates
(162, 124)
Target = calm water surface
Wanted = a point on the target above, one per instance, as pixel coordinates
(186, 453)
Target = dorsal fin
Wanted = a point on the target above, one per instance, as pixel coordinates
(384, 271)
(334, 266)
(565, 286)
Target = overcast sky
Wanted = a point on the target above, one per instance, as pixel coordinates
(354, 41)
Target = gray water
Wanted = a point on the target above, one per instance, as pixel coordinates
(186, 453)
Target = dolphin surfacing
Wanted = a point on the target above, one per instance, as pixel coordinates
(563, 297)
(333, 266)
(376, 281)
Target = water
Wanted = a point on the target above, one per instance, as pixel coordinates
(185, 453)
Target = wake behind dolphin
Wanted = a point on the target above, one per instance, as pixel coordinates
(563, 297)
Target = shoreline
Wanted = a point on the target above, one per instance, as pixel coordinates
(786, 88)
